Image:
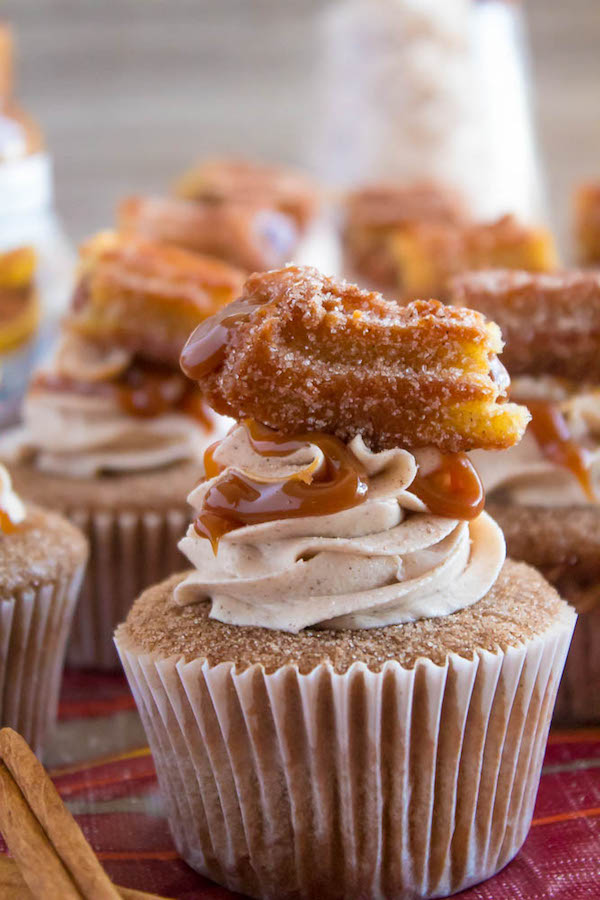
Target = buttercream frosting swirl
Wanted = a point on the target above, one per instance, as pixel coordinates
(383, 562)
(81, 434)
(523, 473)
(12, 508)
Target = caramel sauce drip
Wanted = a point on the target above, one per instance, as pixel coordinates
(551, 431)
(144, 390)
(453, 489)
(237, 499)
(205, 349)
(7, 526)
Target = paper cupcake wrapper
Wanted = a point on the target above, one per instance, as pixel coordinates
(129, 551)
(34, 627)
(578, 701)
(402, 783)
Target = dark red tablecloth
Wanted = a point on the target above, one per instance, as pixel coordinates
(115, 800)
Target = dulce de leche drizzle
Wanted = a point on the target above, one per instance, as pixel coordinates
(236, 499)
(551, 431)
(453, 489)
(144, 390)
(205, 349)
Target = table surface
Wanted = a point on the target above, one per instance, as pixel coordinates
(103, 770)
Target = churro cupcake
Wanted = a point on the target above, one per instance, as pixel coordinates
(545, 492)
(112, 430)
(42, 559)
(349, 694)
(373, 215)
(409, 240)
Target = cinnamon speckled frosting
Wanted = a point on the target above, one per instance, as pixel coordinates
(385, 561)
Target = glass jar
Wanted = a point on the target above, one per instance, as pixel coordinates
(28, 220)
(435, 89)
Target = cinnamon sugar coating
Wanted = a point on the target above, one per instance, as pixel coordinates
(43, 549)
(146, 296)
(428, 254)
(314, 353)
(241, 181)
(520, 606)
(245, 235)
(550, 322)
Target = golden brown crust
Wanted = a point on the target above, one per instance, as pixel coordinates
(248, 236)
(158, 490)
(520, 606)
(550, 323)
(586, 210)
(272, 187)
(44, 549)
(146, 296)
(375, 212)
(428, 254)
(321, 354)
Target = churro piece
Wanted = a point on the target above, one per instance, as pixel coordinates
(19, 305)
(374, 213)
(241, 181)
(550, 322)
(586, 210)
(250, 237)
(300, 351)
(428, 254)
(146, 297)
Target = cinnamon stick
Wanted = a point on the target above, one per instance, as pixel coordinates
(54, 858)
(13, 887)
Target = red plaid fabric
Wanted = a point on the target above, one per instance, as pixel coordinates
(116, 802)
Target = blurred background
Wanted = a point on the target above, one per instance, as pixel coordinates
(131, 91)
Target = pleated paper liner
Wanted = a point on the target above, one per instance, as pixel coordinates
(398, 784)
(128, 552)
(34, 627)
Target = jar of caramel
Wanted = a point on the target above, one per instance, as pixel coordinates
(36, 260)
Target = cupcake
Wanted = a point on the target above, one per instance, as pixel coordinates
(281, 188)
(409, 240)
(42, 560)
(373, 214)
(112, 430)
(545, 492)
(349, 694)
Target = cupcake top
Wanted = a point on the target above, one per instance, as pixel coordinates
(36, 546)
(251, 183)
(373, 516)
(113, 398)
(551, 324)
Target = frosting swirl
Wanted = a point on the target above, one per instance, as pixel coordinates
(75, 425)
(12, 509)
(526, 475)
(384, 561)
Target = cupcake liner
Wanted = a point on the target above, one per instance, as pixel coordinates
(403, 783)
(128, 552)
(34, 626)
(578, 701)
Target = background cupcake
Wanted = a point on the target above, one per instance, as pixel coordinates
(42, 560)
(545, 492)
(112, 430)
(349, 695)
